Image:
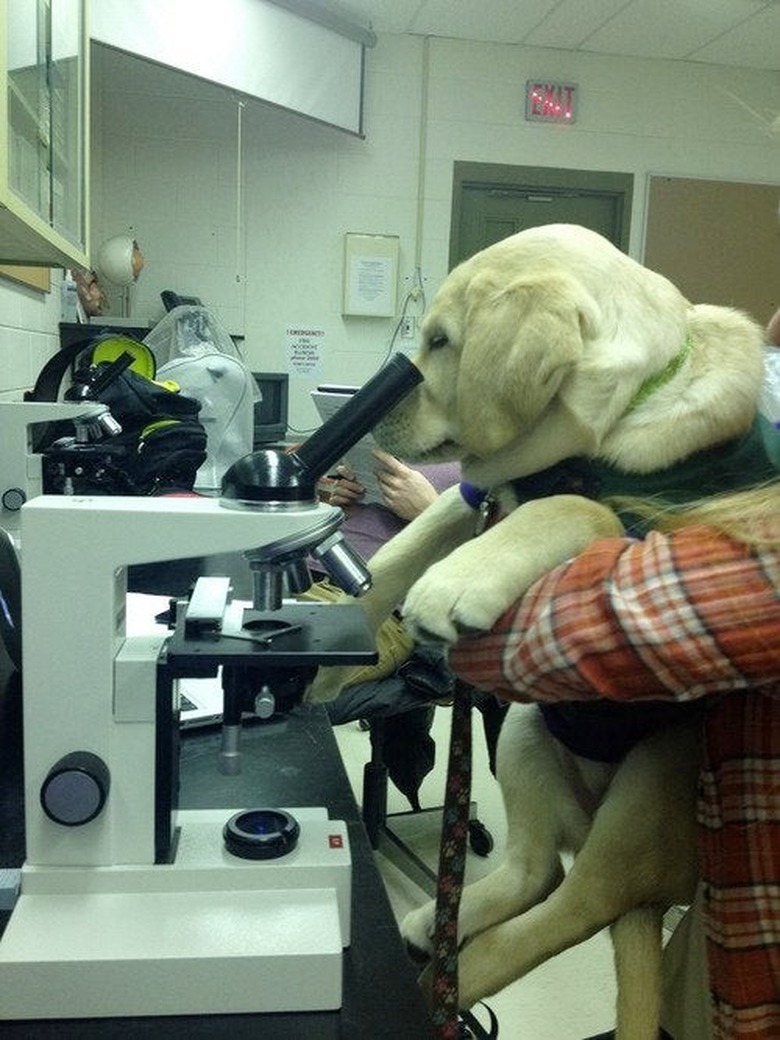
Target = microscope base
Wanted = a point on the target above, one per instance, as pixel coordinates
(207, 934)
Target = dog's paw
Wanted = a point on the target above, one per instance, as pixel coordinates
(417, 931)
(455, 597)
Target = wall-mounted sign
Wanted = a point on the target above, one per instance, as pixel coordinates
(370, 275)
(550, 102)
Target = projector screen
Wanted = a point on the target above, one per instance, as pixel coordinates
(252, 46)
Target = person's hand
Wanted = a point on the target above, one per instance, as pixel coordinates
(405, 491)
(347, 490)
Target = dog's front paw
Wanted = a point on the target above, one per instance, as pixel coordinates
(417, 930)
(456, 596)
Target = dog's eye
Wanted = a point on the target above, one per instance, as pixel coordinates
(437, 341)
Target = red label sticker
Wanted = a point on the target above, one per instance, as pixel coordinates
(335, 841)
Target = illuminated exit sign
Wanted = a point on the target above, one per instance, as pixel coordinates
(550, 102)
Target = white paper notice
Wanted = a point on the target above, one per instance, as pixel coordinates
(305, 348)
(371, 284)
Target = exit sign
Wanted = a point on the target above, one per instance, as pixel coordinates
(550, 102)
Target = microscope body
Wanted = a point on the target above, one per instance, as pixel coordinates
(129, 905)
(21, 466)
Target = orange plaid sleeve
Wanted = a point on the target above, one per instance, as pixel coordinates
(681, 616)
(675, 617)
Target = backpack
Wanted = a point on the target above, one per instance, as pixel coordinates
(161, 445)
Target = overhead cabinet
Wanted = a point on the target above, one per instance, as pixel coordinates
(44, 168)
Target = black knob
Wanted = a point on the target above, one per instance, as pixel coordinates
(75, 789)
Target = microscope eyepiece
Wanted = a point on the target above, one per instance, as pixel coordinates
(275, 479)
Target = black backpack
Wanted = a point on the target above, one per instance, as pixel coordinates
(162, 443)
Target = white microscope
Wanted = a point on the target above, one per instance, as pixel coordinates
(129, 906)
(21, 466)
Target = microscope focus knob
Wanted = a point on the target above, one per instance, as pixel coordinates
(75, 789)
(265, 703)
(13, 499)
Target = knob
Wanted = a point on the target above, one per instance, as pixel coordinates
(13, 499)
(75, 789)
(265, 703)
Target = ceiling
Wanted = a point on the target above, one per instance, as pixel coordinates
(722, 32)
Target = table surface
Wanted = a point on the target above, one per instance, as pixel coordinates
(290, 761)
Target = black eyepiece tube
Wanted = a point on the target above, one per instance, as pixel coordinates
(272, 476)
(358, 414)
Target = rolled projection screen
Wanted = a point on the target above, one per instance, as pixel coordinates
(252, 46)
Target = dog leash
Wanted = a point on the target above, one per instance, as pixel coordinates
(472, 1029)
(452, 862)
(449, 1023)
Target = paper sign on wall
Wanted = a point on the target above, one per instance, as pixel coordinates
(305, 347)
(370, 275)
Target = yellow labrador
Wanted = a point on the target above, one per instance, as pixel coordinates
(549, 345)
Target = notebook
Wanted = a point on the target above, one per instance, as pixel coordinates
(200, 699)
(328, 398)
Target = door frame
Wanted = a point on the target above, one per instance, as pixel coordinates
(544, 179)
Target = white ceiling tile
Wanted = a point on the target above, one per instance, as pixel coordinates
(727, 32)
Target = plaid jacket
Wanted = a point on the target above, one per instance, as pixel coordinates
(682, 616)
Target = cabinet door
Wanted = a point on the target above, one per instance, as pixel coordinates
(46, 176)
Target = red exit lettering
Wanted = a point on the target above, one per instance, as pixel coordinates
(550, 102)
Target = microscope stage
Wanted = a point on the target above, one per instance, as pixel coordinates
(300, 634)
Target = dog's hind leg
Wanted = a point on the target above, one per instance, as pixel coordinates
(640, 850)
(542, 818)
(636, 937)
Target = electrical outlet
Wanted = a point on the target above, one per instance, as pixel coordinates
(408, 328)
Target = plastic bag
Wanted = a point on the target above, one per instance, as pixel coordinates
(192, 348)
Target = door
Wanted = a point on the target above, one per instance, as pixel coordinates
(491, 202)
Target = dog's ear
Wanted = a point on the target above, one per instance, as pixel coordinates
(520, 340)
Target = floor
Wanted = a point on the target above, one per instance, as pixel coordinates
(569, 997)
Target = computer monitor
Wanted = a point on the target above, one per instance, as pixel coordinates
(271, 412)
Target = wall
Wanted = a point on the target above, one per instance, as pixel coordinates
(28, 334)
(269, 257)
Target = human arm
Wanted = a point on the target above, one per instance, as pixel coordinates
(676, 616)
(405, 491)
(346, 490)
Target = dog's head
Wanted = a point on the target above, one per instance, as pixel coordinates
(501, 336)
(494, 352)
(532, 352)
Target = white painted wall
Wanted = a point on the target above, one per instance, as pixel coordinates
(165, 167)
(28, 334)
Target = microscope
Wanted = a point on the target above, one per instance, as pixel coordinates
(128, 905)
(21, 465)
